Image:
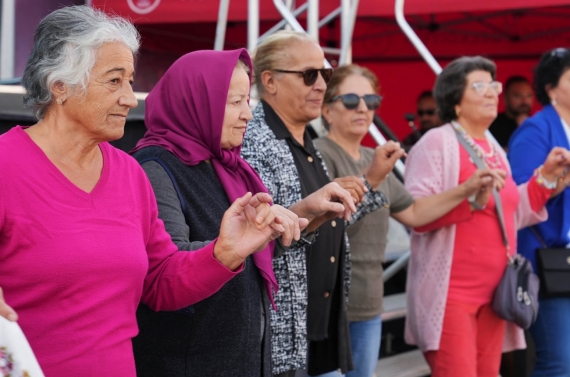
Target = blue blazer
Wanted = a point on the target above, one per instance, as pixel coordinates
(528, 148)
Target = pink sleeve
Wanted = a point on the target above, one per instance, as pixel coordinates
(460, 213)
(177, 279)
(538, 195)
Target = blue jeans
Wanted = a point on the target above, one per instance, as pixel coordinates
(551, 334)
(365, 342)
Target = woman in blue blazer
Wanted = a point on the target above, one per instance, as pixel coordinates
(528, 147)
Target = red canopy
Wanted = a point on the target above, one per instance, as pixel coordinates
(184, 11)
(512, 32)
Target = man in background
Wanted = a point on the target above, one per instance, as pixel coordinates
(518, 105)
(427, 118)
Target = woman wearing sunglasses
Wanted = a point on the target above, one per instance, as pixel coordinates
(350, 101)
(458, 260)
(527, 149)
(313, 278)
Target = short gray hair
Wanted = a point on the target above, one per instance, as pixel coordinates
(271, 52)
(65, 50)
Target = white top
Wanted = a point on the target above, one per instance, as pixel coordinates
(16, 356)
(566, 129)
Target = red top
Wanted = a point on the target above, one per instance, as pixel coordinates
(479, 254)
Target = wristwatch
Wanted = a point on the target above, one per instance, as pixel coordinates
(473, 201)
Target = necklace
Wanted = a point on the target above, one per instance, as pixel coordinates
(490, 158)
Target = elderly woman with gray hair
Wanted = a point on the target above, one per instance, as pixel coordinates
(80, 239)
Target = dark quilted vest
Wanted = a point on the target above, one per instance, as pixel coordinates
(221, 335)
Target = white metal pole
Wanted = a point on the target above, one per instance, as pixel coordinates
(7, 38)
(252, 24)
(221, 25)
(278, 26)
(412, 36)
(313, 19)
(346, 36)
(288, 16)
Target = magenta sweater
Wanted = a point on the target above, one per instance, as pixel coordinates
(75, 265)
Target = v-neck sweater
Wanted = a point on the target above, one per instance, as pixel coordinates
(74, 265)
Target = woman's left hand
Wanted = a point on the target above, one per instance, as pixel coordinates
(556, 164)
(292, 224)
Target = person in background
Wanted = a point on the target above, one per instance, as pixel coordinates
(349, 104)
(518, 105)
(427, 118)
(458, 261)
(81, 243)
(528, 147)
(196, 117)
(291, 80)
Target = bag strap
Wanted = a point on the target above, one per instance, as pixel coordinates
(498, 203)
(537, 235)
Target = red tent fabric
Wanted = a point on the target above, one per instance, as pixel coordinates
(512, 32)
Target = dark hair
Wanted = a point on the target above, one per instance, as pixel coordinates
(551, 66)
(451, 82)
(340, 74)
(515, 80)
(425, 94)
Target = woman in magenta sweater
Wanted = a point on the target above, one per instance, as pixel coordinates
(80, 239)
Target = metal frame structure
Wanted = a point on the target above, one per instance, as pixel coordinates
(7, 38)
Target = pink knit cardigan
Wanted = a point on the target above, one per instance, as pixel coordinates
(433, 167)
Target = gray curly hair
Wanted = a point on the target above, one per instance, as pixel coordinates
(65, 50)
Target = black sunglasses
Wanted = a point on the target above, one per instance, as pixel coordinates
(429, 112)
(558, 53)
(310, 75)
(351, 100)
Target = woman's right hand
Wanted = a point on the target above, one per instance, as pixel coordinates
(5, 310)
(329, 202)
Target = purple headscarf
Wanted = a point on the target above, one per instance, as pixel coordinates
(185, 113)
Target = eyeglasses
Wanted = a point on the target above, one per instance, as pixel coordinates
(310, 75)
(428, 112)
(558, 53)
(481, 87)
(351, 100)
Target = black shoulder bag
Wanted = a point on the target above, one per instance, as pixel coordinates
(516, 296)
(553, 269)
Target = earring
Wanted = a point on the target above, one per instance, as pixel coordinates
(554, 102)
(59, 101)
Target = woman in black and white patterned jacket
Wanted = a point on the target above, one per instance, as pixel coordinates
(313, 274)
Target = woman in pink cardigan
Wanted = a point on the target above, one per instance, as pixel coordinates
(458, 260)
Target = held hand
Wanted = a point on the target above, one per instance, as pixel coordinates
(482, 182)
(292, 224)
(556, 164)
(6, 311)
(330, 200)
(354, 185)
(385, 157)
(247, 227)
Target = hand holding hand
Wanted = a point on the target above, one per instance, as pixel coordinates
(482, 182)
(5, 310)
(354, 185)
(556, 164)
(247, 226)
(385, 157)
(292, 224)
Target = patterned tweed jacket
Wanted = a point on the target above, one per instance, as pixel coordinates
(273, 160)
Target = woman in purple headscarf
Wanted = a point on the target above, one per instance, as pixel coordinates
(196, 117)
